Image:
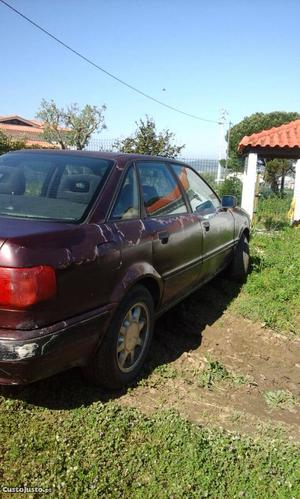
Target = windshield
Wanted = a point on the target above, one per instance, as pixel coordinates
(49, 186)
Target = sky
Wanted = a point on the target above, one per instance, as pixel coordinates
(199, 56)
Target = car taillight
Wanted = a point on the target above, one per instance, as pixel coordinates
(23, 287)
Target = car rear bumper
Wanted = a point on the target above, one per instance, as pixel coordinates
(26, 356)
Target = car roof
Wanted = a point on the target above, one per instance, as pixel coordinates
(114, 156)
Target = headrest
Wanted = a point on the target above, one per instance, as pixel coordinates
(12, 180)
(78, 188)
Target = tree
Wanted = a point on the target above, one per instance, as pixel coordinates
(232, 186)
(70, 127)
(276, 169)
(147, 140)
(9, 144)
(254, 124)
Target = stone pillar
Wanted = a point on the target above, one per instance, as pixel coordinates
(249, 181)
(296, 215)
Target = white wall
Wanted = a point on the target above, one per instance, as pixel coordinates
(249, 181)
(297, 192)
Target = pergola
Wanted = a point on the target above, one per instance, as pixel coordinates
(278, 142)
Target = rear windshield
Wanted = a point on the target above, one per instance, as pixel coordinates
(50, 186)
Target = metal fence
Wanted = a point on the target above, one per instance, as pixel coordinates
(206, 166)
(101, 145)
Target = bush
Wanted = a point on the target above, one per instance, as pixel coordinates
(8, 144)
(231, 186)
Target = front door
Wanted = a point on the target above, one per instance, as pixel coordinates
(217, 223)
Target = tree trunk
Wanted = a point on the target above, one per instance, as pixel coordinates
(282, 183)
(274, 184)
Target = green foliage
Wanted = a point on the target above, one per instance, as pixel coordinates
(235, 162)
(271, 294)
(105, 450)
(147, 140)
(272, 211)
(231, 186)
(276, 168)
(216, 373)
(256, 123)
(70, 127)
(282, 399)
(8, 144)
(253, 124)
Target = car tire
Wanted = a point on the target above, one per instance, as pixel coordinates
(239, 266)
(114, 366)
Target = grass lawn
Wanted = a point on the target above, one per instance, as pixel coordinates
(272, 292)
(103, 450)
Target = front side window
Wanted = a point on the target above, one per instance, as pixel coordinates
(202, 198)
(127, 205)
(59, 187)
(161, 193)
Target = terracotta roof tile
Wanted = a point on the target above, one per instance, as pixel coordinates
(282, 136)
(41, 143)
(20, 128)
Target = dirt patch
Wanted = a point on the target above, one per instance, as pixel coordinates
(211, 366)
(195, 341)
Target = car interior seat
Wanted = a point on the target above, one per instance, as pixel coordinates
(12, 180)
(78, 188)
(150, 194)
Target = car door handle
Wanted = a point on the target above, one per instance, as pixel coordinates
(164, 237)
(206, 225)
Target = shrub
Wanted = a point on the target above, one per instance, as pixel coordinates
(8, 144)
(231, 186)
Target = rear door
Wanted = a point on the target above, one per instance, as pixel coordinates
(217, 223)
(176, 233)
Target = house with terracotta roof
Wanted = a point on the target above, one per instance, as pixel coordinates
(281, 142)
(18, 128)
(277, 142)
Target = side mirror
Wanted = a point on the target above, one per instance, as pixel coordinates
(205, 208)
(229, 201)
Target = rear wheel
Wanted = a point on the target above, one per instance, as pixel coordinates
(126, 344)
(239, 266)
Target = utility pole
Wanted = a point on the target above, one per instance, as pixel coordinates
(228, 146)
(222, 120)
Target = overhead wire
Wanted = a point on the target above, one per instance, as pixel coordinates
(108, 73)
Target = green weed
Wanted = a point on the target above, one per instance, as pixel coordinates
(272, 212)
(282, 399)
(215, 372)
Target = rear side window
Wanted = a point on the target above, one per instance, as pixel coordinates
(127, 205)
(161, 193)
(50, 186)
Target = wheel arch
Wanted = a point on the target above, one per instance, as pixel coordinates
(246, 231)
(151, 284)
(142, 274)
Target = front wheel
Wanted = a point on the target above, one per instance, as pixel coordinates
(239, 266)
(122, 354)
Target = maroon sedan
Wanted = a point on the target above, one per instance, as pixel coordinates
(93, 247)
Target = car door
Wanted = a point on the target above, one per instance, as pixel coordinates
(177, 235)
(217, 223)
(126, 225)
